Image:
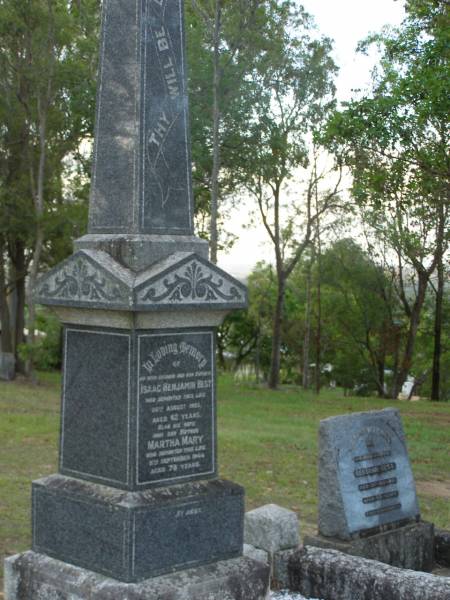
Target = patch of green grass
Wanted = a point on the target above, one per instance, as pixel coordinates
(267, 443)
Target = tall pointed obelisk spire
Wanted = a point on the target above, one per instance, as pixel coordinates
(142, 167)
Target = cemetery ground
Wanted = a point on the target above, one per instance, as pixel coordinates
(267, 442)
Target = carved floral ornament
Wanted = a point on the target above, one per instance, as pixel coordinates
(82, 280)
(193, 283)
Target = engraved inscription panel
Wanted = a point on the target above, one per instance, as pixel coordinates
(176, 407)
(376, 480)
(167, 185)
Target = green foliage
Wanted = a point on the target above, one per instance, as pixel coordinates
(48, 60)
(249, 31)
(295, 90)
(51, 53)
(396, 139)
(46, 352)
(362, 323)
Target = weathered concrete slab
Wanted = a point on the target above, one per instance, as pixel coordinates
(330, 574)
(408, 547)
(32, 576)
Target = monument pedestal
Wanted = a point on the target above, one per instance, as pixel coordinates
(408, 547)
(34, 576)
(132, 536)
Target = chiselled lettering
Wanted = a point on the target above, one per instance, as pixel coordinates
(375, 470)
(176, 405)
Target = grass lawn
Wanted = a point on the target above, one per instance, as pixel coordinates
(267, 442)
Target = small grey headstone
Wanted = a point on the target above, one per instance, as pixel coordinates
(7, 366)
(271, 528)
(365, 477)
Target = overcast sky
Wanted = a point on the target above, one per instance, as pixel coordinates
(346, 22)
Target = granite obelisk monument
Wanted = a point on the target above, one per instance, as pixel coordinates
(136, 510)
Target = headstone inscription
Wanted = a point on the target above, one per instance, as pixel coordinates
(137, 494)
(365, 477)
(367, 497)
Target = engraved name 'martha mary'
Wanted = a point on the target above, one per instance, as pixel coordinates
(176, 407)
(167, 187)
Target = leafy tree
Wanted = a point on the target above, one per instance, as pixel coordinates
(226, 41)
(295, 93)
(364, 310)
(48, 61)
(239, 336)
(396, 142)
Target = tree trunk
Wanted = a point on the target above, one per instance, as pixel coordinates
(258, 356)
(319, 291)
(6, 342)
(216, 135)
(307, 338)
(380, 378)
(319, 335)
(414, 322)
(274, 375)
(18, 277)
(436, 376)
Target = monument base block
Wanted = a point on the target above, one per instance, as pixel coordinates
(33, 576)
(408, 547)
(132, 536)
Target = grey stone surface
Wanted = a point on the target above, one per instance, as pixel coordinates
(142, 171)
(33, 576)
(335, 576)
(271, 528)
(132, 536)
(138, 407)
(7, 366)
(287, 595)
(93, 279)
(280, 568)
(256, 553)
(117, 319)
(408, 547)
(365, 477)
(137, 252)
(442, 547)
